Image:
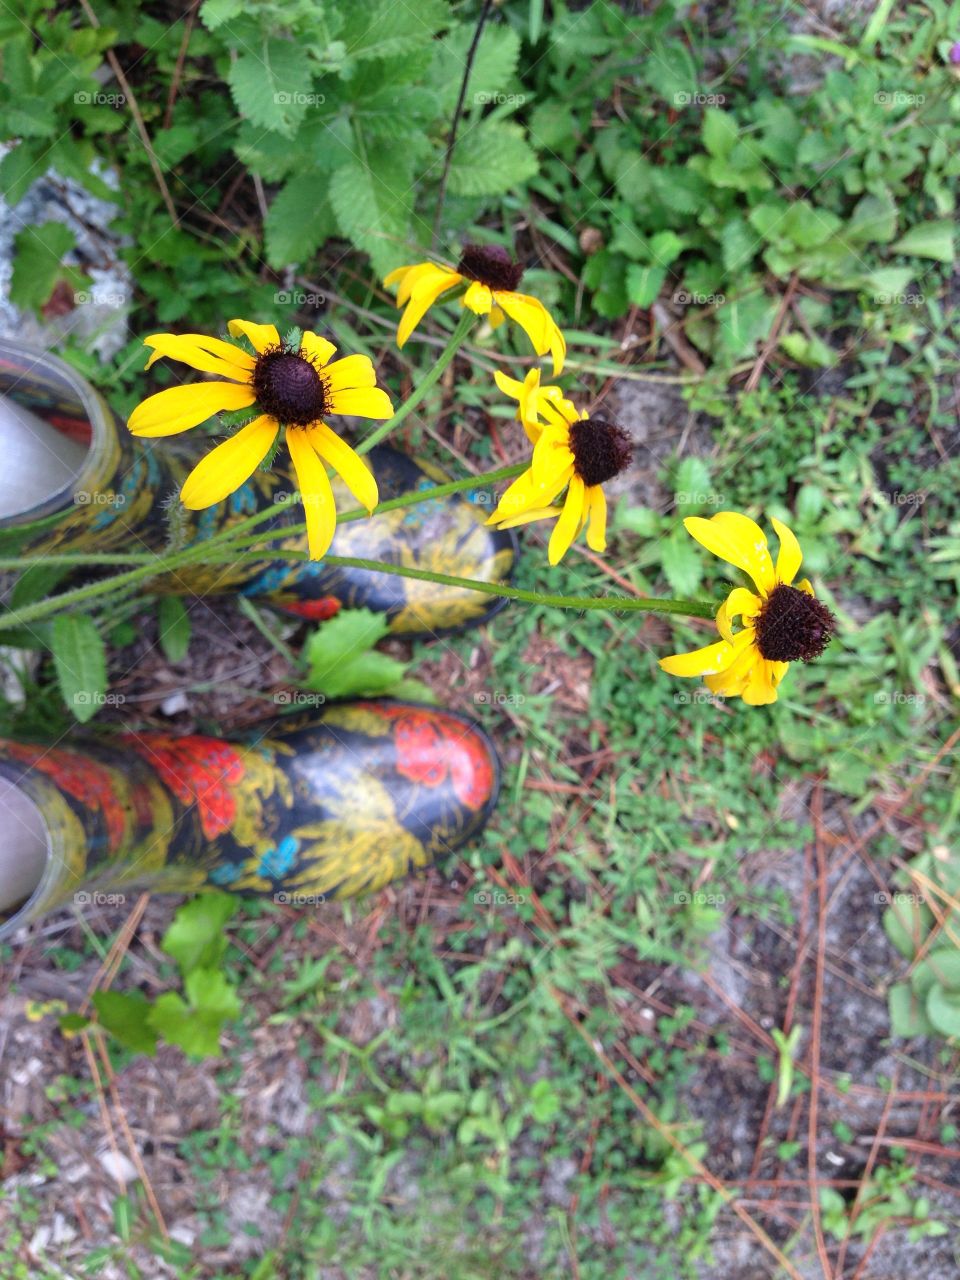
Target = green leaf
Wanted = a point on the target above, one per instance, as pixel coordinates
(492, 159)
(196, 937)
(384, 29)
(943, 1010)
(666, 247)
(299, 220)
(493, 71)
(743, 322)
(81, 663)
(906, 924)
(929, 240)
(739, 244)
(272, 85)
(373, 205)
(812, 352)
(944, 965)
(38, 263)
(36, 583)
(682, 566)
(174, 624)
(127, 1017)
(907, 1015)
(874, 220)
(342, 659)
(720, 132)
(196, 1024)
(644, 283)
(692, 486)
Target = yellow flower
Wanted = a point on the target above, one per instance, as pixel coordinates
(491, 277)
(570, 451)
(780, 624)
(291, 387)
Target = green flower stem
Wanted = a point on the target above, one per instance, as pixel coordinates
(430, 381)
(227, 541)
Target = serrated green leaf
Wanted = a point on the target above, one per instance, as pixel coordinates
(493, 71)
(644, 283)
(174, 626)
(272, 85)
(81, 663)
(342, 658)
(373, 206)
(384, 29)
(743, 322)
(491, 159)
(196, 1026)
(299, 220)
(196, 936)
(720, 132)
(738, 244)
(873, 221)
(681, 563)
(127, 1017)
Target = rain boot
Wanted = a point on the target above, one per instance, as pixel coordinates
(310, 810)
(74, 480)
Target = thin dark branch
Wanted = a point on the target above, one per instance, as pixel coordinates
(458, 112)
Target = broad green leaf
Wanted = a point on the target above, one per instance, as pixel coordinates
(38, 263)
(272, 85)
(943, 1010)
(874, 220)
(739, 244)
(373, 205)
(342, 658)
(644, 283)
(812, 352)
(494, 67)
(196, 938)
(299, 220)
(720, 132)
(682, 564)
(81, 664)
(174, 625)
(743, 322)
(384, 29)
(491, 159)
(126, 1015)
(196, 1026)
(929, 240)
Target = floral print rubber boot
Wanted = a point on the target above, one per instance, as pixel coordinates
(74, 480)
(308, 811)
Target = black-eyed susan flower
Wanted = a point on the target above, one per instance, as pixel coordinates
(291, 387)
(491, 278)
(780, 623)
(570, 451)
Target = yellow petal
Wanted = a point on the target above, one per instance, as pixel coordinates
(527, 517)
(478, 298)
(362, 402)
(495, 318)
(558, 345)
(351, 371)
(261, 336)
(410, 277)
(511, 387)
(179, 408)
(551, 457)
(210, 355)
(229, 465)
(597, 528)
(317, 349)
(319, 508)
(700, 662)
(396, 274)
(790, 557)
(739, 603)
(761, 686)
(347, 463)
(738, 540)
(523, 494)
(731, 682)
(571, 518)
(806, 586)
(424, 294)
(530, 314)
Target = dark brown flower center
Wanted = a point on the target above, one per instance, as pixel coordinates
(793, 627)
(491, 265)
(288, 387)
(600, 450)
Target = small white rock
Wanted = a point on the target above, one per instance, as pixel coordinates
(118, 1166)
(176, 703)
